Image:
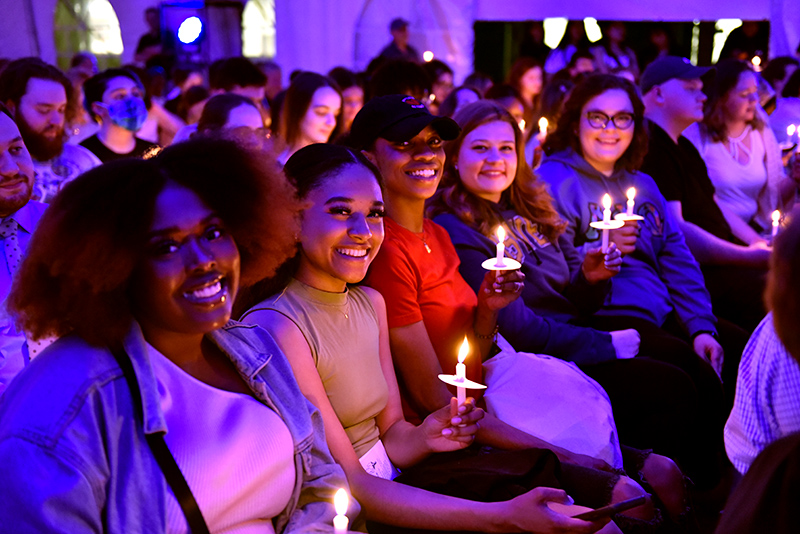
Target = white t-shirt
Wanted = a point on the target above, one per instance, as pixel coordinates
(737, 185)
(235, 453)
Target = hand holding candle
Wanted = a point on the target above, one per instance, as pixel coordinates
(340, 503)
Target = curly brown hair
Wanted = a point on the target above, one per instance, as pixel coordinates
(77, 272)
(566, 135)
(527, 195)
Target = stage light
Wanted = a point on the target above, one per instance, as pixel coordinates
(190, 30)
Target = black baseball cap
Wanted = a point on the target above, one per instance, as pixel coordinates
(396, 118)
(667, 68)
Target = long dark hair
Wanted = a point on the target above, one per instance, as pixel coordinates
(566, 135)
(307, 169)
(298, 99)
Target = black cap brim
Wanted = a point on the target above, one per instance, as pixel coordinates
(410, 127)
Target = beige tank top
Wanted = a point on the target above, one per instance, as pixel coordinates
(342, 332)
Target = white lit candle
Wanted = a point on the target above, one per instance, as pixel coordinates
(606, 219)
(631, 194)
(501, 238)
(543, 124)
(461, 372)
(756, 61)
(776, 222)
(340, 503)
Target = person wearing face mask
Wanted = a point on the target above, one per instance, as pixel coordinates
(115, 99)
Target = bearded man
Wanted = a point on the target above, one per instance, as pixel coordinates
(37, 95)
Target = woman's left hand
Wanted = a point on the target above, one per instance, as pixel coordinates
(598, 266)
(500, 288)
(452, 427)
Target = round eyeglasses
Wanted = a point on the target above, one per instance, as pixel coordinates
(599, 120)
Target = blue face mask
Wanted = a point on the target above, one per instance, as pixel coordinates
(129, 113)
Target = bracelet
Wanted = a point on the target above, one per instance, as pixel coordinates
(490, 336)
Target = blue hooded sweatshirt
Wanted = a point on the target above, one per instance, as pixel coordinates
(661, 275)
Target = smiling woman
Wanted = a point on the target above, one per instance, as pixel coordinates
(136, 266)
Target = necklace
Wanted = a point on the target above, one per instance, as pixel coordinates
(424, 242)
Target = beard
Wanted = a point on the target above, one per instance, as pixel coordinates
(11, 203)
(40, 147)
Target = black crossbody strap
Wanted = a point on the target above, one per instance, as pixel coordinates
(187, 502)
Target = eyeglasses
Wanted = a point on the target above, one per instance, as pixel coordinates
(599, 120)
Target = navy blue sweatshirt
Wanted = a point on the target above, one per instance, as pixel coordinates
(661, 275)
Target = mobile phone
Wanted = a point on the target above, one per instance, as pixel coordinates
(611, 509)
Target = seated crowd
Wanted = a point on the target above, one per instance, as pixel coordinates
(224, 303)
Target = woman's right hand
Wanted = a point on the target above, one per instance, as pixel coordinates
(530, 513)
(626, 343)
(452, 427)
(500, 288)
(625, 237)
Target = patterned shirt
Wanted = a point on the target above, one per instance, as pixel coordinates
(767, 405)
(52, 175)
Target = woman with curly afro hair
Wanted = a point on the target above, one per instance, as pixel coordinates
(135, 266)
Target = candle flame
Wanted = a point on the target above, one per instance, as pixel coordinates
(756, 61)
(543, 124)
(501, 234)
(631, 193)
(427, 55)
(340, 502)
(776, 217)
(463, 351)
(522, 124)
(606, 201)
(791, 129)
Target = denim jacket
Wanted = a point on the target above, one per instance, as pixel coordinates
(74, 459)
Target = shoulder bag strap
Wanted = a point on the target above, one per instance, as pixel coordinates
(181, 490)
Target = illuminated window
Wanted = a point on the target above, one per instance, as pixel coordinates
(593, 31)
(104, 35)
(87, 25)
(554, 29)
(724, 27)
(258, 29)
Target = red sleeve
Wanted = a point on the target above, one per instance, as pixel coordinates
(395, 277)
